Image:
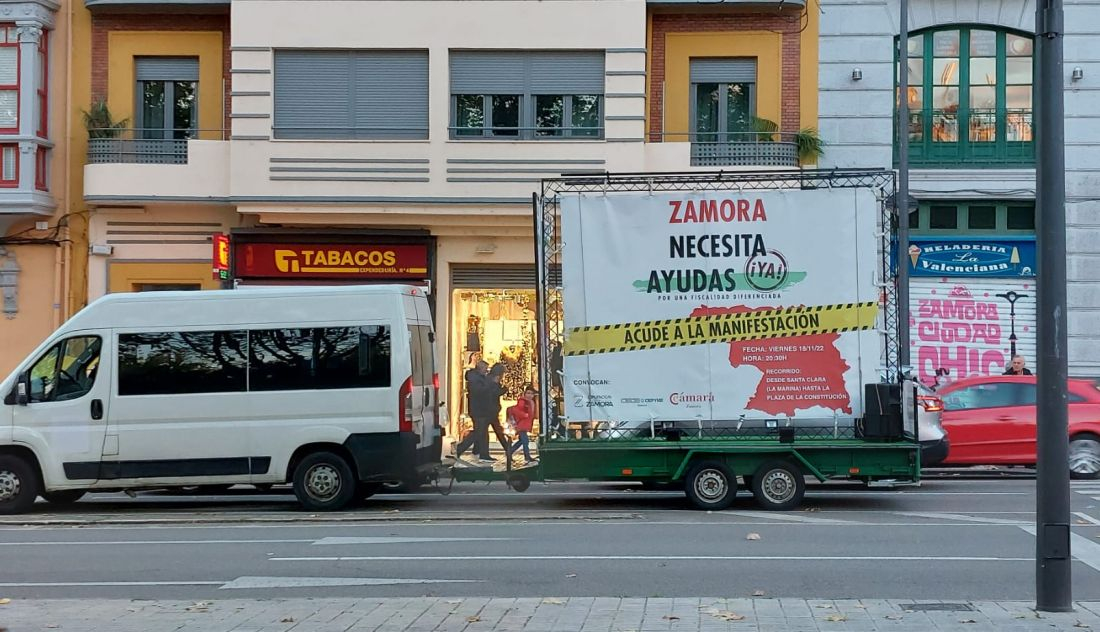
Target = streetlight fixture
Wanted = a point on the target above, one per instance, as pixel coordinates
(1012, 296)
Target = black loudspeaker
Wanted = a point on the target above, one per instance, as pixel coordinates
(882, 420)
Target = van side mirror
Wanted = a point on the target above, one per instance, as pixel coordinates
(21, 390)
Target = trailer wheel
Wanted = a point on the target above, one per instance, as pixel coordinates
(323, 481)
(710, 485)
(18, 484)
(778, 486)
(519, 482)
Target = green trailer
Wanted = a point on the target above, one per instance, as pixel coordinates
(715, 451)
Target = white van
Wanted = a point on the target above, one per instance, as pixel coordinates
(331, 388)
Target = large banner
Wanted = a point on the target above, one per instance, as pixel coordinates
(719, 305)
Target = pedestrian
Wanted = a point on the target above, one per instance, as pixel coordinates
(476, 382)
(1018, 366)
(493, 394)
(522, 416)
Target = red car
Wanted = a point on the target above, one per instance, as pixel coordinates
(991, 421)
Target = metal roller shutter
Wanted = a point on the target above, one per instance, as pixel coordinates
(527, 72)
(166, 68)
(960, 324)
(391, 94)
(312, 94)
(485, 277)
(723, 70)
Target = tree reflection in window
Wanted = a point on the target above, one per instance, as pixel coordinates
(330, 358)
(182, 362)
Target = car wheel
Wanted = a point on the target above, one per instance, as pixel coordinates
(710, 485)
(778, 486)
(18, 485)
(323, 481)
(64, 497)
(1084, 457)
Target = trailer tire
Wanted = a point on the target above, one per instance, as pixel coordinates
(778, 486)
(711, 486)
(323, 481)
(519, 482)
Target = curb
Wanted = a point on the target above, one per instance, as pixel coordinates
(304, 518)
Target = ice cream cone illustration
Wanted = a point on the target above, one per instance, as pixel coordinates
(914, 254)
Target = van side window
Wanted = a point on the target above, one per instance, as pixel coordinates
(67, 371)
(171, 363)
(423, 360)
(319, 358)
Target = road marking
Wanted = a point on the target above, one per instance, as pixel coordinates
(145, 542)
(400, 540)
(1083, 549)
(962, 517)
(815, 558)
(77, 584)
(253, 583)
(769, 515)
(1087, 518)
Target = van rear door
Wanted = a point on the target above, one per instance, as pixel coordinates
(425, 379)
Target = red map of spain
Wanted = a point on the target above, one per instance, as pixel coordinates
(799, 372)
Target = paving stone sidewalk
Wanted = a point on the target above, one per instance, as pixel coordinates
(430, 614)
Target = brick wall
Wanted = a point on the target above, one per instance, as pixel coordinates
(789, 24)
(102, 25)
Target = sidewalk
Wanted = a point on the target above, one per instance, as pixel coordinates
(535, 615)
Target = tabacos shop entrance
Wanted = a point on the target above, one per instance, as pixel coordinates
(263, 257)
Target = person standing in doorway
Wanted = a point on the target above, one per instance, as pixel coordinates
(1018, 366)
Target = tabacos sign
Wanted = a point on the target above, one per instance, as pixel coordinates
(376, 261)
(972, 258)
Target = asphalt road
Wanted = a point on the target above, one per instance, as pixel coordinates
(948, 539)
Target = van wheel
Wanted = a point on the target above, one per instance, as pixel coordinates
(778, 486)
(64, 497)
(710, 485)
(1084, 456)
(18, 485)
(323, 481)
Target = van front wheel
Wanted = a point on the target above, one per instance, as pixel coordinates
(18, 485)
(323, 481)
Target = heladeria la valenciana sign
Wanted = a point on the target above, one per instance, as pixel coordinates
(719, 304)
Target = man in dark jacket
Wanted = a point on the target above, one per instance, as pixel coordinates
(484, 392)
(1018, 366)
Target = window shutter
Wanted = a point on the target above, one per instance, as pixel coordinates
(167, 68)
(488, 72)
(723, 70)
(567, 72)
(391, 94)
(9, 65)
(313, 94)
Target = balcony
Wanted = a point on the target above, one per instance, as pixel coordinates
(744, 154)
(974, 138)
(127, 165)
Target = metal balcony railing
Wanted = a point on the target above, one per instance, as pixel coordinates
(144, 146)
(977, 137)
(739, 149)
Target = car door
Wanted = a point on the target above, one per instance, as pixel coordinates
(65, 418)
(980, 420)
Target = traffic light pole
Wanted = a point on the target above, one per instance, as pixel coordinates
(1053, 587)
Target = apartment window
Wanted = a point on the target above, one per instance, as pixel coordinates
(9, 165)
(42, 80)
(723, 99)
(167, 94)
(356, 94)
(527, 94)
(970, 96)
(9, 80)
(41, 165)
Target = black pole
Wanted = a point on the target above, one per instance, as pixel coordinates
(901, 200)
(1053, 587)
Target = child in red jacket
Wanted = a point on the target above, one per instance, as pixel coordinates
(522, 416)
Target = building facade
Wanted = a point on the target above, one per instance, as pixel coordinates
(972, 161)
(35, 209)
(357, 142)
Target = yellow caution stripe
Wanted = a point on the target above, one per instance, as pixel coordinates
(735, 327)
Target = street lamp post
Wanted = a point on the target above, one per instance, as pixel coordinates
(1012, 296)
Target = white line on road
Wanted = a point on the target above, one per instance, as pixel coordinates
(400, 540)
(1083, 549)
(1087, 518)
(143, 542)
(782, 517)
(76, 584)
(660, 558)
(245, 583)
(962, 517)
